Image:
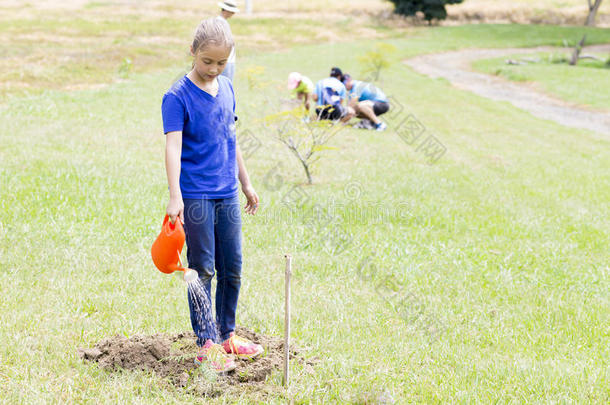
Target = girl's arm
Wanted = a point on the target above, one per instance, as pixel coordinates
(246, 186)
(173, 150)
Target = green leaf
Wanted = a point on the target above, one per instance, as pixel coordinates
(317, 148)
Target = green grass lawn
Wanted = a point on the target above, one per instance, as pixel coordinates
(586, 84)
(482, 278)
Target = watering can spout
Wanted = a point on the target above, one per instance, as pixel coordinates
(167, 248)
(190, 275)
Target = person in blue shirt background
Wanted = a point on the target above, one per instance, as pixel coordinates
(203, 164)
(332, 98)
(368, 101)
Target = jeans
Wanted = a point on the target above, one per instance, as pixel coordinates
(213, 240)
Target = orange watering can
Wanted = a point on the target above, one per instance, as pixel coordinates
(167, 247)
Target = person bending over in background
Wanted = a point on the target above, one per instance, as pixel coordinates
(332, 98)
(368, 101)
(303, 87)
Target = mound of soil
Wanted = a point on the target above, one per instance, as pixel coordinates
(171, 356)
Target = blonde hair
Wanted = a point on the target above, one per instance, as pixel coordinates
(213, 30)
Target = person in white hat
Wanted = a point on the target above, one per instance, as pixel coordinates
(303, 88)
(227, 9)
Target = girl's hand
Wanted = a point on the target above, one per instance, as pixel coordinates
(252, 204)
(175, 209)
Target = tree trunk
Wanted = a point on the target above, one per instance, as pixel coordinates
(577, 50)
(303, 161)
(592, 12)
(306, 167)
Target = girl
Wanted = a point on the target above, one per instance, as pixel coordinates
(203, 163)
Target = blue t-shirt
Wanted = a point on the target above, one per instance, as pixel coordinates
(367, 91)
(330, 91)
(208, 160)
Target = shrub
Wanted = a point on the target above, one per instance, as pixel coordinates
(431, 9)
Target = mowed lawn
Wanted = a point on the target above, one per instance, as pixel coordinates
(480, 278)
(587, 83)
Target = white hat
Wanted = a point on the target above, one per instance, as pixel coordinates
(293, 80)
(229, 5)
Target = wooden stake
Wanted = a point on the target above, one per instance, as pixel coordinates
(288, 273)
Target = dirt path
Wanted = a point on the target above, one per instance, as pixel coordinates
(455, 67)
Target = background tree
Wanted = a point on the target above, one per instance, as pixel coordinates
(306, 140)
(432, 9)
(375, 60)
(593, 7)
